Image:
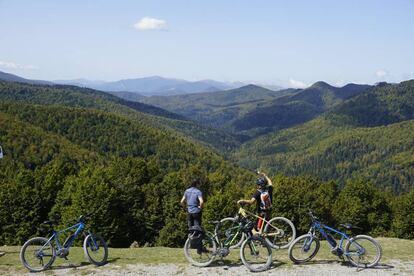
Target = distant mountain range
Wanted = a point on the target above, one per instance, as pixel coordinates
(154, 85)
(253, 110)
(147, 86)
(10, 77)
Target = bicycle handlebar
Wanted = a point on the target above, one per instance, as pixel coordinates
(310, 212)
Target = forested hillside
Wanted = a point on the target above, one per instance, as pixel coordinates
(344, 144)
(71, 153)
(218, 109)
(252, 111)
(152, 116)
(125, 176)
(291, 110)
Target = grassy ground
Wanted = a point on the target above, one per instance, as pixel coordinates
(393, 249)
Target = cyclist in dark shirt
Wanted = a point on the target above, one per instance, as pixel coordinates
(263, 198)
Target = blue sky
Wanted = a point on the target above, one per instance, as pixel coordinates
(290, 43)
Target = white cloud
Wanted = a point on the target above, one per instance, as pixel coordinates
(381, 73)
(14, 66)
(297, 84)
(8, 64)
(149, 24)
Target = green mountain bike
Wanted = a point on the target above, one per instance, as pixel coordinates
(201, 248)
(279, 232)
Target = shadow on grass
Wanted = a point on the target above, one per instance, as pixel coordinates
(9, 252)
(228, 264)
(225, 263)
(378, 266)
(69, 266)
(347, 264)
(112, 260)
(313, 262)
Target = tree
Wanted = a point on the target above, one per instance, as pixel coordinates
(403, 223)
(363, 205)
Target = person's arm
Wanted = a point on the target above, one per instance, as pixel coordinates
(201, 201)
(246, 201)
(182, 202)
(269, 181)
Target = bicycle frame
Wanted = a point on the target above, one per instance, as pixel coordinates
(264, 222)
(55, 236)
(226, 243)
(320, 227)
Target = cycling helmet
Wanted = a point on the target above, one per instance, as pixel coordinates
(261, 181)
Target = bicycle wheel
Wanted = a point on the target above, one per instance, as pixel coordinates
(363, 251)
(279, 232)
(230, 229)
(256, 254)
(95, 249)
(37, 254)
(202, 256)
(303, 249)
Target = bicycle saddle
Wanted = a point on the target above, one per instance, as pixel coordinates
(214, 221)
(349, 226)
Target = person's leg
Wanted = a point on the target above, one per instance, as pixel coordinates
(190, 220)
(259, 221)
(268, 215)
(197, 219)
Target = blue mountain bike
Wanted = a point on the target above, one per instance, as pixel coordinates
(361, 251)
(38, 254)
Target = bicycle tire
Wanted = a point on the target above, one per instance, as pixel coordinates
(252, 246)
(241, 234)
(281, 239)
(91, 245)
(205, 258)
(357, 241)
(47, 248)
(302, 243)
